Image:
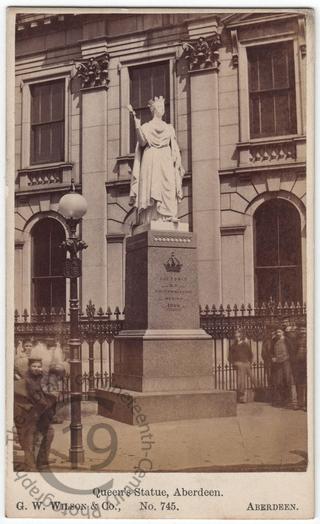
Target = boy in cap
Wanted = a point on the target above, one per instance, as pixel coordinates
(32, 416)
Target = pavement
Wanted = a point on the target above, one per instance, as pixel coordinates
(259, 438)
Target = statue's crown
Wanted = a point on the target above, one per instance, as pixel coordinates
(156, 99)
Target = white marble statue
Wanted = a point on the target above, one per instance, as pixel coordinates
(156, 183)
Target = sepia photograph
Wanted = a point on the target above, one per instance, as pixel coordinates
(162, 310)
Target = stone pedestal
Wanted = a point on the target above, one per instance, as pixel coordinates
(162, 359)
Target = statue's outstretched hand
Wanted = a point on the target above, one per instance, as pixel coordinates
(137, 121)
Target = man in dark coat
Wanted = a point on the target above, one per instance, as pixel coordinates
(284, 384)
(32, 416)
(240, 355)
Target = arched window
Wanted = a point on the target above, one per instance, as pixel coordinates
(48, 281)
(278, 272)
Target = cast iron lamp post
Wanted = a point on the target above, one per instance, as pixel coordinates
(73, 207)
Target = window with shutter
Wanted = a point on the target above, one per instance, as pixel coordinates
(272, 90)
(146, 82)
(47, 122)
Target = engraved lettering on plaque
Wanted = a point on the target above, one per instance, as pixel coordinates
(174, 289)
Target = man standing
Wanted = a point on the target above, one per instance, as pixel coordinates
(284, 385)
(240, 355)
(32, 416)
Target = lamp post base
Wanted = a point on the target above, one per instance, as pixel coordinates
(76, 457)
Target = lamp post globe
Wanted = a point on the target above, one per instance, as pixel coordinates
(72, 206)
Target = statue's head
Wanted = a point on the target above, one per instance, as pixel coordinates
(156, 106)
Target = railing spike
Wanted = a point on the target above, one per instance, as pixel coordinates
(90, 309)
(16, 315)
(214, 309)
(235, 310)
(100, 312)
(25, 315)
(52, 312)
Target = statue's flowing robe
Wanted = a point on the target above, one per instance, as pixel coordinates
(157, 171)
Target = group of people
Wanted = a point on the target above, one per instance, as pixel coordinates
(284, 352)
(37, 371)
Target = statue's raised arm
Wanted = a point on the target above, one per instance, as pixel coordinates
(156, 184)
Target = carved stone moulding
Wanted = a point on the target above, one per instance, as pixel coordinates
(45, 177)
(271, 152)
(93, 72)
(202, 53)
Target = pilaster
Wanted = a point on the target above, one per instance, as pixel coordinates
(202, 55)
(93, 74)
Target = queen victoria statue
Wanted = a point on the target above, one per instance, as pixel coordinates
(156, 183)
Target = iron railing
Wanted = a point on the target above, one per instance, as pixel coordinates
(98, 329)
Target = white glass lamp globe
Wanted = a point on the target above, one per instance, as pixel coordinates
(73, 205)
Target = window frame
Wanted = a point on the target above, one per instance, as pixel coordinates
(44, 277)
(124, 67)
(244, 94)
(26, 85)
(277, 268)
(141, 108)
(261, 94)
(35, 125)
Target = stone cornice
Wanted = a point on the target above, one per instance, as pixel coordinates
(202, 53)
(241, 21)
(232, 230)
(18, 244)
(247, 171)
(93, 72)
(40, 21)
(115, 238)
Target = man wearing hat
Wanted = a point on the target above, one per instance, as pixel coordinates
(32, 416)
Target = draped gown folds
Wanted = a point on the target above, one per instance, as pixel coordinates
(157, 173)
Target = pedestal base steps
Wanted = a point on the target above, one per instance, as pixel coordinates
(137, 408)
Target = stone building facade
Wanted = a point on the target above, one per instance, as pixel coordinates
(235, 92)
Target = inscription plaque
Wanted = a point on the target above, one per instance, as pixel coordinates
(173, 292)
